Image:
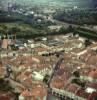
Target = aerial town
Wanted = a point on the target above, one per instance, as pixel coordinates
(44, 56)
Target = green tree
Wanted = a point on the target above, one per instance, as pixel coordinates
(14, 30)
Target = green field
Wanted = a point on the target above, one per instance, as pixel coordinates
(25, 30)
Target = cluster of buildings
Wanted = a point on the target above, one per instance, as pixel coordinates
(26, 68)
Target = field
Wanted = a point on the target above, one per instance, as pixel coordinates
(22, 30)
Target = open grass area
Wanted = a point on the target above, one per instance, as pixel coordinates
(24, 29)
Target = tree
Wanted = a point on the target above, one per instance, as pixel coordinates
(14, 30)
(4, 31)
(70, 28)
(62, 30)
(87, 42)
(76, 73)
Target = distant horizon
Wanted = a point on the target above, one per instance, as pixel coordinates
(60, 3)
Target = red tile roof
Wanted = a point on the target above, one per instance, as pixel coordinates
(73, 88)
(82, 93)
(26, 93)
(58, 83)
(39, 91)
(92, 85)
(93, 74)
(6, 96)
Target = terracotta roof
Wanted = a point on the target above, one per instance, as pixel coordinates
(58, 82)
(39, 91)
(93, 74)
(40, 49)
(82, 93)
(28, 82)
(25, 78)
(93, 96)
(26, 93)
(6, 96)
(73, 88)
(2, 70)
(92, 60)
(92, 85)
